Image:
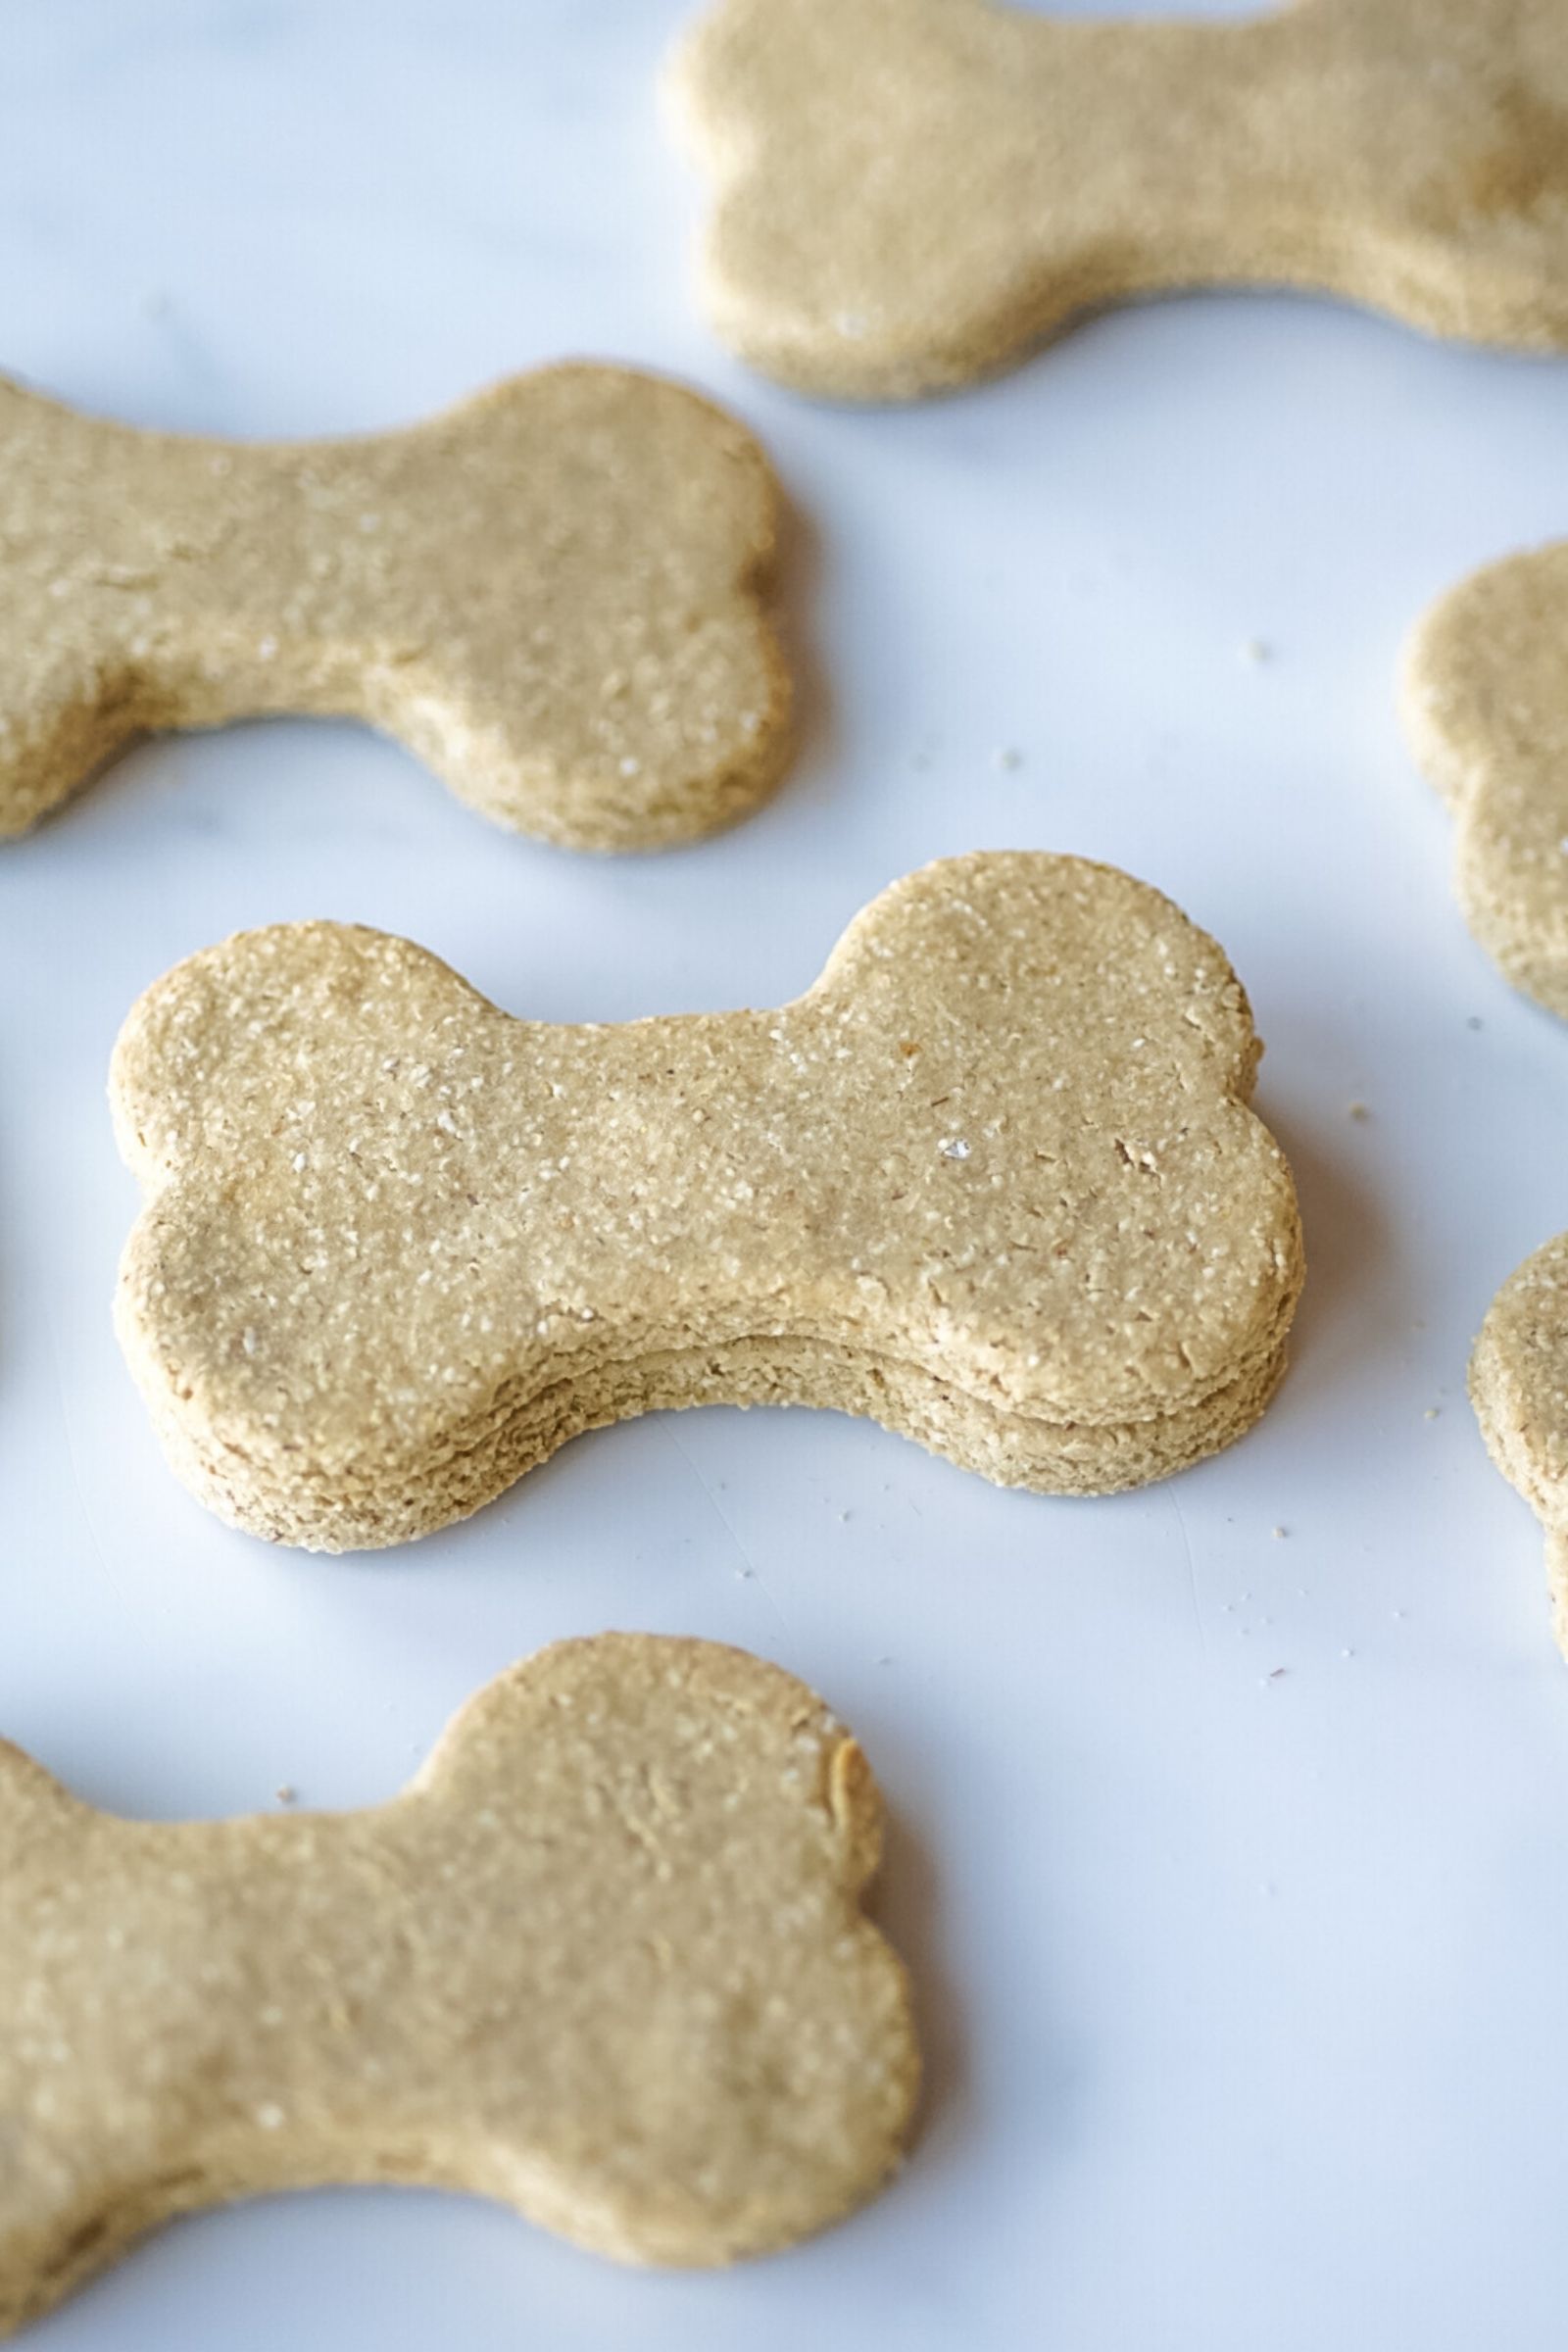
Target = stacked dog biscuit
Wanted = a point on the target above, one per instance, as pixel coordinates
(992, 1181)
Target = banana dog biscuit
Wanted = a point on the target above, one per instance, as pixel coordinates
(1485, 705)
(911, 193)
(992, 1181)
(1519, 1387)
(556, 594)
(603, 1960)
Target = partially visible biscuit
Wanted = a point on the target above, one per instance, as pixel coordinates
(603, 1960)
(992, 1181)
(1519, 1385)
(911, 193)
(557, 593)
(1485, 705)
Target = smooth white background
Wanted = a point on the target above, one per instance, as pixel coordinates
(1243, 1996)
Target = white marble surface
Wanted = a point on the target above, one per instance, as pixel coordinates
(1241, 1996)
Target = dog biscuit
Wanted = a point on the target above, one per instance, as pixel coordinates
(1519, 1387)
(911, 193)
(556, 594)
(1485, 705)
(603, 1960)
(992, 1181)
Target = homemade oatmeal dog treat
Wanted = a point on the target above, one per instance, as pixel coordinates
(911, 193)
(1519, 1387)
(603, 1960)
(1485, 703)
(992, 1181)
(556, 594)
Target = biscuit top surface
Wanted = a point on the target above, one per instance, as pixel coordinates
(1004, 1134)
(611, 486)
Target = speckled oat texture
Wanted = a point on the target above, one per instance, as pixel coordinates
(1485, 702)
(909, 193)
(555, 594)
(603, 1960)
(1519, 1385)
(991, 1181)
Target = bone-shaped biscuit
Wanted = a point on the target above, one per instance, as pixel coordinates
(1519, 1387)
(555, 594)
(604, 1959)
(1485, 703)
(909, 193)
(991, 1181)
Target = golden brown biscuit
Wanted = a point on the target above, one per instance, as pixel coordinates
(556, 594)
(1486, 702)
(603, 1960)
(909, 193)
(991, 1181)
(1519, 1387)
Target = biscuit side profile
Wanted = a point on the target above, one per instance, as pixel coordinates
(557, 593)
(992, 1182)
(603, 1960)
(1486, 707)
(908, 194)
